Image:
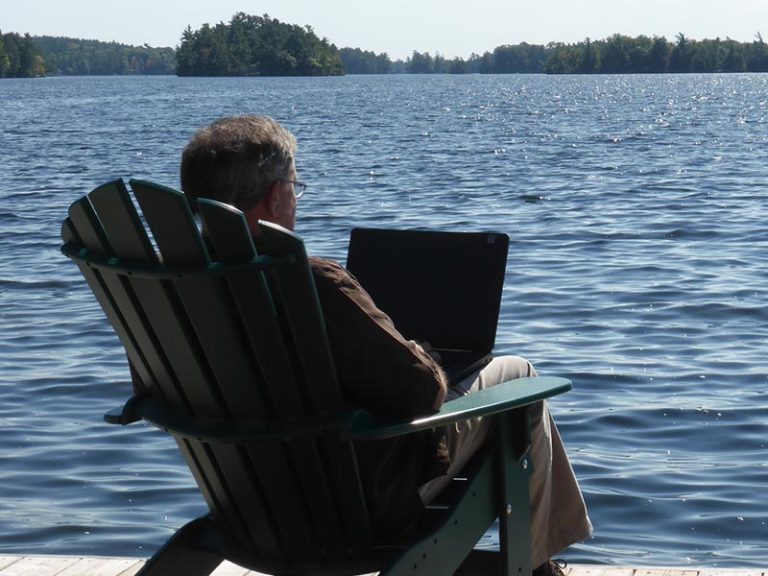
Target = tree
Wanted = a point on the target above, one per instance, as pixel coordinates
(681, 56)
(589, 58)
(505, 59)
(707, 56)
(439, 64)
(457, 66)
(184, 53)
(616, 58)
(640, 49)
(659, 55)
(19, 57)
(487, 63)
(562, 59)
(735, 58)
(757, 59)
(211, 56)
(5, 63)
(357, 61)
(420, 63)
(239, 42)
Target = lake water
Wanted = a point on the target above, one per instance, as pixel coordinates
(636, 207)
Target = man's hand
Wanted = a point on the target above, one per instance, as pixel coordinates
(431, 352)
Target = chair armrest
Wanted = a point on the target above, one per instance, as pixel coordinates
(128, 414)
(359, 425)
(216, 430)
(505, 396)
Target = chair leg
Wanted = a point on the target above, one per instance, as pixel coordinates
(189, 552)
(513, 494)
(441, 550)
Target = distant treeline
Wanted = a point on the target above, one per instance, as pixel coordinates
(622, 54)
(615, 55)
(263, 46)
(521, 58)
(29, 57)
(70, 57)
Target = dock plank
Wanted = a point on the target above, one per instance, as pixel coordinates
(104, 566)
(38, 566)
(724, 572)
(229, 569)
(6, 561)
(599, 570)
(665, 572)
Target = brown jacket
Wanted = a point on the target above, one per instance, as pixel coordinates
(382, 372)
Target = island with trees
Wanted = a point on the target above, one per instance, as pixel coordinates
(256, 46)
(263, 46)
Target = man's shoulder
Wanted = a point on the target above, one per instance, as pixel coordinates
(326, 266)
(339, 290)
(327, 271)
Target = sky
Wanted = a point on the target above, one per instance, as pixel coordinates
(452, 28)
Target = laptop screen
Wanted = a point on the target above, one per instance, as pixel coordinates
(441, 287)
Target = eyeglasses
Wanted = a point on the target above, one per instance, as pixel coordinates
(299, 187)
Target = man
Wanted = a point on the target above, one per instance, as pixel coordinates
(249, 162)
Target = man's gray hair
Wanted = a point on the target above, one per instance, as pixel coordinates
(235, 160)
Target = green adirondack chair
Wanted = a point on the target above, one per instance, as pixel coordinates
(231, 354)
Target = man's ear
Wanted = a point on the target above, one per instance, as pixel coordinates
(272, 199)
(265, 209)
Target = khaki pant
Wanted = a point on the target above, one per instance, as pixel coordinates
(558, 514)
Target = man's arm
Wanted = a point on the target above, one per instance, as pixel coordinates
(429, 355)
(378, 368)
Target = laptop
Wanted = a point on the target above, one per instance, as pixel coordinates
(439, 287)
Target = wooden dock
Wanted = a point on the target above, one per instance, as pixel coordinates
(97, 566)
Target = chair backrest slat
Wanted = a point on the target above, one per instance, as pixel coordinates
(95, 281)
(120, 222)
(110, 290)
(156, 308)
(232, 243)
(293, 290)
